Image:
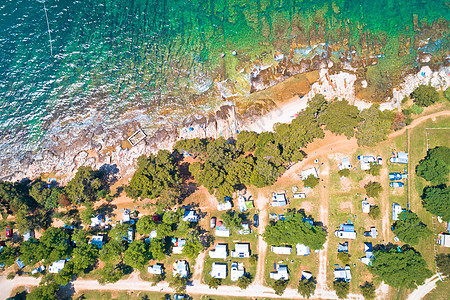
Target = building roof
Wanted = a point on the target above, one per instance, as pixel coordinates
(342, 274)
(57, 266)
(241, 250)
(222, 231)
(302, 249)
(237, 271)
(97, 240)
(282, 272)
(444, 239)
(190, 216)
(345, 163)
(365, 206)
(223, 205)
(306, 275)
(178, 245)
(347, 227)
(219, 270)
(310, 171)
(396, 210)
(180, 268)
(155, 269)
(245, 229)
(220, 251)
(281, 250)
(343, 247)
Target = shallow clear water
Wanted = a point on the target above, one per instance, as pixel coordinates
(111, 56)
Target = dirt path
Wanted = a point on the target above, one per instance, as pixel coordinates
(199, 263)
(385, 207)
(261, 203)
(324, 197)
(424, 289)
(253, 291)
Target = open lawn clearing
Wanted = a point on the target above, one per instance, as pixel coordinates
(440, 292)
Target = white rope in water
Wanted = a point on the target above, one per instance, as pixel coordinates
(48, 28)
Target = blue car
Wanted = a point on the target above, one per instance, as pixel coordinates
(396, 184)
(255, 220)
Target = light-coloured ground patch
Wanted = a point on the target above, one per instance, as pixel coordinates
(346, 184)
(347, 205)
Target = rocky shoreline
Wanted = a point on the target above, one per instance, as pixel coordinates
(96, 146)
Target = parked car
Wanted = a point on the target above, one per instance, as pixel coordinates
(178, 296)
(255, 220)
(379, 160)
(396, 184)
(212, 223)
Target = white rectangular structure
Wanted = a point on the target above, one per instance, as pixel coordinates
(57, 266)
(302, 250)
(220, 251)
(282, 273)
(281, 250)
(219, 270)
(241, 251)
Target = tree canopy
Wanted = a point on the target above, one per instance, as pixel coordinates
(405, 268)
(368, 290)
(306, 288)
(84, 186)
(342, 289)
(137, 255)
(311, 181)
(294, 230)
(341, 118)
(435, 167)
(436, 199)
(153, 175)
(425, 95)
(375, 126)
(373, 189)
(443, 263)
(409, 228)
(279, 286)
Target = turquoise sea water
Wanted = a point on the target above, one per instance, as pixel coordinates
(110, 56)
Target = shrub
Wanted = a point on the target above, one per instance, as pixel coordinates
(214, 283)
(373, 189)
(342, 289)
(279, 286)
(416, 109)
(344, 173)
(311, 181)
(244, 281)
(344, 257)
(375, 212)
(374, 169)
(306, 288)
(368, 290)
(425, 95)
(11, 276)
(443, 263)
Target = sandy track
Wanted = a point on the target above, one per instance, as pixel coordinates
(424, 289)
(261, 204)
(385, 207)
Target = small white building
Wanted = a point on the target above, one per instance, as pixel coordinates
(38, 270)
(245, 229)
(365, 206)
(97, 221)
(310, 171)
(97, 241)
(402, 158)
(346, 231)
(220, 251)
(281, 250)
(278, 200)
(190, 216)
(241, 251)
(219, 270)
(365, 161)
(396, 210)
(342, 274)
(241, 203)
(444, 239)
(222, 231)
(345, 164)
(178, 245)
(299, 196)
(126, 216)
(180, 268)
(302, 250)
(57, 266)
(282, 273)
(221, 206)
(155, 269)
(237, 271)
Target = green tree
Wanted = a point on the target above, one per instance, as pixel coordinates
(66, 274)
(410, 229)
(443, 263)
(29, 255)
(192, 249)
(341, 118)
(294, 230)
(45, 291)
(368, 290)
(405, 268)
(156, 249)
(119, 232)
(373, 189)
(279, 286)
(375, 126)
(344, 257)
(317, 105)
(246, 141)
(342, 289)
(84, 186)
(244, 281)
(344, 173)
(196, 146)
(425, 95)
(153, 176)
(375, 212)
(433, 169)
(178, 284)
(88, 213)
(232, 219)
(46, 197)
(112, 252)
(8, 256)
(145, 225)
(84, 256)
(374, 169)
(80, 237)
(311, 181)
(137, 255)
(220, 152)
(306, 288)
(213, 283)
(54, 245)
(436, 199)
(110, 273)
